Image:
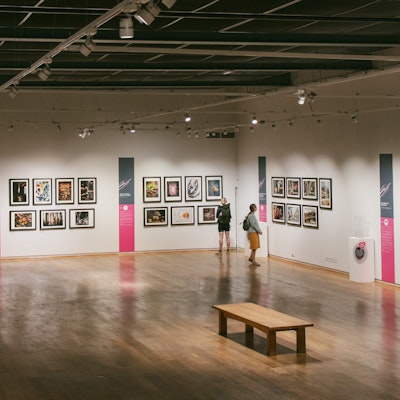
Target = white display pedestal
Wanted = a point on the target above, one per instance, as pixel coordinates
(263, 250)
(361, 259)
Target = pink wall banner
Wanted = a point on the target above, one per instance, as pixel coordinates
(262, 189)
(387, 220)
(126, 205)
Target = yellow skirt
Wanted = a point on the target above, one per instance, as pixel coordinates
(254, 238)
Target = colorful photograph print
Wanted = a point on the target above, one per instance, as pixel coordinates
(22, 220)
(193, 188)
(87, 190)
(293, 214)
(310, 188)
(278, 212)
(81, 218)
(293, 189)
(42, 191)
(173, 188)
(64, 190)
(52, 219)
(19, 192)
(213, 188)
(207, 214)
(278, 187)
(155, 216)
(151, 189)
(325, 193)
(182, 215)
(310, 216)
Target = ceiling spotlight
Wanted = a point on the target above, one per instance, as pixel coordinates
(10, 128)
(13, 91)
(301, 97)
(85, 132)
(147, 13)
(354, 119)
(291, 124)
(45, 72)
(87, 47)
(126, 27)
(132, 129)
(320, 122)
(187, 118)
(311, 96)
(168, 3)
(196, 135)
(273, 126)
(254, 120)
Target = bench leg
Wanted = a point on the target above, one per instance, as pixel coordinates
(301, 340)
(223, 326)
(248, 328)
(271, 343)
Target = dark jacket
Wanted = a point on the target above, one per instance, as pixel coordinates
(224, 214)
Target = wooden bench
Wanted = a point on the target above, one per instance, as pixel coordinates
(264, 319)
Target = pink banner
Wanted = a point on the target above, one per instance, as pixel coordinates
(387, 249)
(126, 227)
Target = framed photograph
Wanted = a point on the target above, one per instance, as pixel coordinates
(193, 188)
(213, 188)
(278, 212)
(151, 189)
(325, 193)
(155, 216)
(19, 192)
(293, 188)
(182, 215)
(310, 216)
(87, 190)
(22, 220)
(81, 218)
(42, 191)
(52, 219)
(293, 214)
(278, 187)
(309, 186)
(64, 190)
(207, 214)
(173, 188)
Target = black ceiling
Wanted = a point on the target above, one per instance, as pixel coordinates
(195, 43)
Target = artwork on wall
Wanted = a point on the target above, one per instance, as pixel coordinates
(207, 214)
(151, 189)
(19, 192)
(193, 188)
(278, 187)
(278, 212)
(81, 218)
(214, 188)
(173, 188)
(325, 193)
(64, 190)
(293, 214)
(87, 190)
(309, 186)
(310, 216)
(293, 188)
(42, 189)
(52, 219)
(182, 215)
(22, 220)
(155, 216)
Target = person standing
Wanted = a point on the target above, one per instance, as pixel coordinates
(254, 233)
(224, 226)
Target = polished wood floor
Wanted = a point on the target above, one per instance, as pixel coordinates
(142, 327)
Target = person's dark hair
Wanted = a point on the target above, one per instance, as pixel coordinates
(253, 207)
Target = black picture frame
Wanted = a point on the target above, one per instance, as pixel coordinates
(193, 188)
(278, 212)
(23, 220)
(151, 189)
(293, 214)
(42, 189)
(172, 189)
(293, 188)
(87, 190)
(278, 187)
(182, 215)
(325, 193)
(214, 187)
(207, 214)
(64, 190)
(155, 216)
(19, 192)
(310, 216)
(309, 188)
(52, 219)
(81, 218)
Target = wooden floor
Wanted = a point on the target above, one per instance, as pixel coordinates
(142, 327)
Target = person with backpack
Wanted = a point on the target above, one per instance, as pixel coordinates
(253, 234)
(224, 226)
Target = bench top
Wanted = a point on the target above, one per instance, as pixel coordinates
(262, 316)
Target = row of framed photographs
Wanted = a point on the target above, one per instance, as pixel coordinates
(295, 214)
(51, 219)
(159, 216)
(177, 188)
(42, 191)
(306, 188)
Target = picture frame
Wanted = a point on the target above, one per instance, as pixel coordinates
(182, 215)
(278, 213)
(155, 216)
(42, 191)
(193, 188)
(81, 218)
(152, 189)
(207, 214)
(214, 188)
(64, 188)
(278, 187)
(172, 189)
(293, 188)
(52, 219)
(19, 192)
(293, 214)
(325, 193)
(310, 216)
(22, 220)
(87, 190)
(309, 188)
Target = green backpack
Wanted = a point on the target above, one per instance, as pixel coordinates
(246, 224)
